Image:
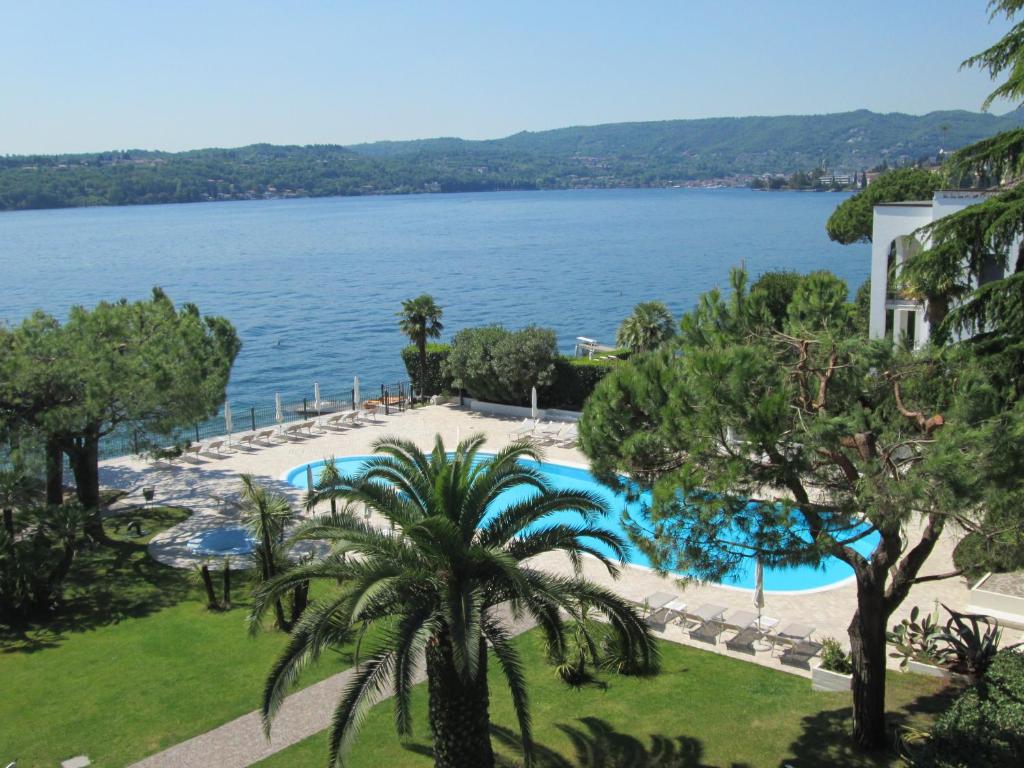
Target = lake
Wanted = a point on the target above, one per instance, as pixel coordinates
(313, 285)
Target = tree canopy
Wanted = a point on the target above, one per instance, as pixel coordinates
(502, 366)
(791, 446)
(649, 325)
(851, 221)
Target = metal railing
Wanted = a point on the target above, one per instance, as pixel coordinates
(394, 398)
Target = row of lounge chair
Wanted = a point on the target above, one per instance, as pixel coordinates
(285, 432)
(563, 434)
(709, 623)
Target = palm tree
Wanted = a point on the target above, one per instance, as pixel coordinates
(434, 582)
(267, 515)
(420, 319)
(650, 324)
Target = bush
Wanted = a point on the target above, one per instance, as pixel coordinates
(438, 380)
(985, 725)
(501, 366)
(834, 658)
(575, 379)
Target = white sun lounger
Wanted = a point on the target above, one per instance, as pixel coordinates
(523, 430)
(569, 436)
(264, 435)
(214, 446)
(549, 432)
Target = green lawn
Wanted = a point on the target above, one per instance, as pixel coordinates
(134, 663)
(703, 710)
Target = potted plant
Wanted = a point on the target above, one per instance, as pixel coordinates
(835, 673)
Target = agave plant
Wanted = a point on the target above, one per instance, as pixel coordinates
(972, 641)
(441, 581)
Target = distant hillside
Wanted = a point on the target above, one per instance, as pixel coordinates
(614, 155)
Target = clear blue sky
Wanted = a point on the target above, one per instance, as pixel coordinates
(83, 76)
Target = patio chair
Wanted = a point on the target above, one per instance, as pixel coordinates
(791, 634)
(739, 620)
(214, 446)
(705, 622)
(308, 426)
(800, 654)
(194, 449)
(264, 435)
(523, 430)
(248, 439)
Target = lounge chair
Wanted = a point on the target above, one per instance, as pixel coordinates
(705, 613)
(523, 430)
(654, 606)
(708, 632)
(549, 432)
(308, 426)
(800, 654)
(791, 634)
(744, 640)
(195, 450)
(264, 435)
(214, 446)
(569, 436)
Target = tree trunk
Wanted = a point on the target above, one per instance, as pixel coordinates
(9, 522)
(458, 713)
(226, 604)
(54, 472)
(211, 596)
(84, 455)
(300, 599)
(867, 649)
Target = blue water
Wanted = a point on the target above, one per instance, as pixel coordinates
(832, 571)
(313, 285)
(222, 541)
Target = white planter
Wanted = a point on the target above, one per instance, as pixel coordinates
(833, 682)
(931, 670)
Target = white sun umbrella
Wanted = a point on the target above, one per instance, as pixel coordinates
(316, 397)
(309, 478)
(355, 391)
(227, 419)
(760, 645)
(278, 412)
(533, 403)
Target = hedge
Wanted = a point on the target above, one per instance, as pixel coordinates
(438, 378)
(985, 725)
(575, 379)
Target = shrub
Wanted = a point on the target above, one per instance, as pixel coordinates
(575, 379)
(916, 640)
(834, 658)
(501, 366)
(985, 725)
(776, 290)
(437, 379)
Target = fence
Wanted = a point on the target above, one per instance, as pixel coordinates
(394, 398)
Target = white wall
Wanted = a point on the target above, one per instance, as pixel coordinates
(889, 222)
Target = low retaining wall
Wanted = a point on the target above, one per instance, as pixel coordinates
(518, 411)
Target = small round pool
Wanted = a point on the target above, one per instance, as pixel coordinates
(222, 541)
(830, 573)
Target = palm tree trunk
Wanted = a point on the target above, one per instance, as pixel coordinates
(211, 596)
(458, 712)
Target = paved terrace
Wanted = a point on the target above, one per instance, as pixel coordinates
(203, 483)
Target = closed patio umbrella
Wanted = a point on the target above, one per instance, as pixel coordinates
(533, 402)
(760, 645)
(309, 478)
(316, 397)
(355, 391)
(278, 413)
(227, 419)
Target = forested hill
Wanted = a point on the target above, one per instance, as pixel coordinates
(614, 155)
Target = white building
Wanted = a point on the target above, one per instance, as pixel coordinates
(892, 314)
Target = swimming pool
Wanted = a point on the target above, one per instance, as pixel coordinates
(830, 573)
(222, 541)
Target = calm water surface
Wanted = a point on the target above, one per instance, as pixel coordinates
(313, 285)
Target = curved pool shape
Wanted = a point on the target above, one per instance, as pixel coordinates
(222, 541)
(830, 573)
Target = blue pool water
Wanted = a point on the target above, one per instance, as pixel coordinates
(222, 541)
(831, 572)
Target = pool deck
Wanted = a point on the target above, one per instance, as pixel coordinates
(208, 484)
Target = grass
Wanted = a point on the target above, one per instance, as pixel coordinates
(133, 662)
(702, 710)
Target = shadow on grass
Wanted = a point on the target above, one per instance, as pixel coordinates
(109, 582)
(596, 744)
(825, 736)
